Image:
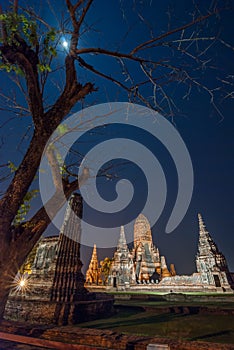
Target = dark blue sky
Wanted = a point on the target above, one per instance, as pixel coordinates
(207, 134)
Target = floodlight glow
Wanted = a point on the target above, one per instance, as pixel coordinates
(20, 284)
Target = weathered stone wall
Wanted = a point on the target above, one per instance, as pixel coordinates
(62, 313)
(35, 311)
(178, 297)
(168, 288)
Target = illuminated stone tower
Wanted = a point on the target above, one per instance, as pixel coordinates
(210, 262)
(142, 231)
(93, 272)
(122, 244)
(146, 255)
(122, 272)
(165, 272)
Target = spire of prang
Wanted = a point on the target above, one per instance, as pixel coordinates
(122, 244)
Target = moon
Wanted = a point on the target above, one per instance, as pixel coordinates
(65, 44)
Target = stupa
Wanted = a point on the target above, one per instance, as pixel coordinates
(142, 268)
(93, 273)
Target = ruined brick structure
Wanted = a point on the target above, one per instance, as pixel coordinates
(212, 271)
(55, 288)
(122, 271)
(211, 263)
(142, 264)
(68, 282)
(142, 268)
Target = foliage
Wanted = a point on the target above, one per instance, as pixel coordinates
(15, 25)
(25, 207)
(62, 129)
(12, 166)
(18, 28)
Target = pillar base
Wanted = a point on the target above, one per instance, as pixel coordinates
(96, 305)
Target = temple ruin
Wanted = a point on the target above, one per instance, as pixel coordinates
(50, 287)
(143, 268)
(53, 291)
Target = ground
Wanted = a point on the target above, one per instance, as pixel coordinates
(197, 322)
(194, 319)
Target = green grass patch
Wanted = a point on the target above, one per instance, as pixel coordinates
(132, 319)
(161, 304)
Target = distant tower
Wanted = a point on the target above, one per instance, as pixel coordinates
(172, 270)
(142, 230)
(93, 272)
(210, 262)
(146, 255)
(165, 271)
(122, 244)
(122, 269)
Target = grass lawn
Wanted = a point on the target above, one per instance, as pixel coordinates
(132, 319)
(164, 303)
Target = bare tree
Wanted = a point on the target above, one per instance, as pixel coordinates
(29, 49)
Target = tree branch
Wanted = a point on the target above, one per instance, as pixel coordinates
(85, 10)
(24, 175)
(131, 90)
(76, 23)
(98, 50)
(27, 234)
(27, 60)
(3, 28)
(103, 75)
(176, 30)
(50, 153)
(15, 6)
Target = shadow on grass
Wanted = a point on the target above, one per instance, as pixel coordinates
(193, 326)
(212, 335)
(131, 317)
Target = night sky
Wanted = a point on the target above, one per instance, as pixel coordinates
(207, 133)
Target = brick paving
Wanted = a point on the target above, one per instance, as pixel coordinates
(103, 339)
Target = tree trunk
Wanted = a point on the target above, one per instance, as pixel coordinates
(3, 300)
(17, 246)
(7, 274)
